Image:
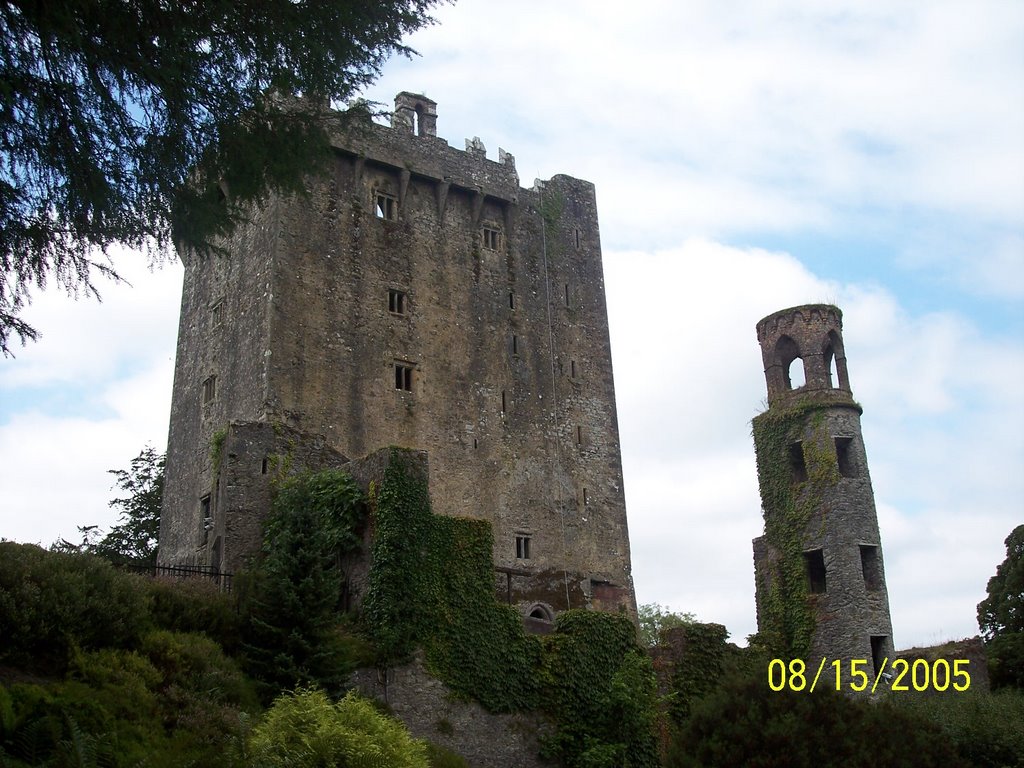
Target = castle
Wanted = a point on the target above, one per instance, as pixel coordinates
(417, 296)
(820, 581)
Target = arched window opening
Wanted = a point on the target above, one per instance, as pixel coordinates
(835, 361)
(796, 377)
(830, 367)
(540, 612)
(417, 121)
(786, 353)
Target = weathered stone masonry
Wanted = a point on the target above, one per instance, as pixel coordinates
(418, 296)
(822, 511)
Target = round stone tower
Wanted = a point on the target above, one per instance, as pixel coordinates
(818, 568)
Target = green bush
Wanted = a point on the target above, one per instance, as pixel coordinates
(988, 729)
(52, 602)
(744, 722)
(441, 757)
(1006, 660)
(196, 605)
(305, 728)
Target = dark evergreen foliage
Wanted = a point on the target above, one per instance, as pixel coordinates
(145, 123)
(745, 723)
(294, 600)
(1001, 616)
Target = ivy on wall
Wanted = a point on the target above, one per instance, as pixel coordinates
(787, 612)
(432, 586)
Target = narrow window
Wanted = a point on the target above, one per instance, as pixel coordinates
(585, 501)
(844, 457)
(503, 401)
(522, 547)
(515, 344)
(474, 443)
(396, 302)
(385, 206)
(797, 467)
(878, 653)
(216, 313)
(815, 561)
(796, 375)
(403, 376)
(572, 369)
(491, 238)
(870, 567)
(567, 294)
(265, 466)
(577, 234)
(209, 390)
(579, 435)
(205, 516)
(511, 300)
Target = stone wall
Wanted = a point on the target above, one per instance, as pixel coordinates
(430, 711)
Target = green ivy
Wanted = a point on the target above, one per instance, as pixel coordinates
(432, 586)
(787, 613)
(217, 448)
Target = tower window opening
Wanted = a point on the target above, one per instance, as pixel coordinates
(511, 300)
(265, 465)
(540, 612)
(567, 294)
(585, 501)
(396, 302)
(579, 435)
(572, 369)
(796, 375)
(209, 390)
(205, 516)
(386, 206)
(576, 232)
(216, 313)
(830, 367)
(844, 457)
(504, 402)
(491, 238)
(403, 376)
(522, 547)
(815, 562)
(797, 465)
(871, 567)
(515, 344)
(878, 652)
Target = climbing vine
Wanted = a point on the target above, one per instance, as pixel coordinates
(788, 621)
(432, 586)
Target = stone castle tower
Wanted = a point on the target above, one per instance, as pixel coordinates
(417, 297)
(819, 574)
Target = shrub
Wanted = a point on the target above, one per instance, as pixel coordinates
(51, 602)
(988, 729)
(305, 728)
(196, 605)
(744, 722)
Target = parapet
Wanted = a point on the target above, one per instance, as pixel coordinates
(812, 334)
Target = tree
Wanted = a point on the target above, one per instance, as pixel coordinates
(148, 123)
(654, 618)
(133, 541)
(1003, 610)
(1001, 615)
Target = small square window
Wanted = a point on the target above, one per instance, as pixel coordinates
(385, 206)
(403, 376)
(396, 302)
(209, 390)
(492, 238)
(522, 547)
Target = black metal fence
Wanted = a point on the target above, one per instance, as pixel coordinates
(181, 572)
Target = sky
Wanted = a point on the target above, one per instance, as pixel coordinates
(748, 157)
